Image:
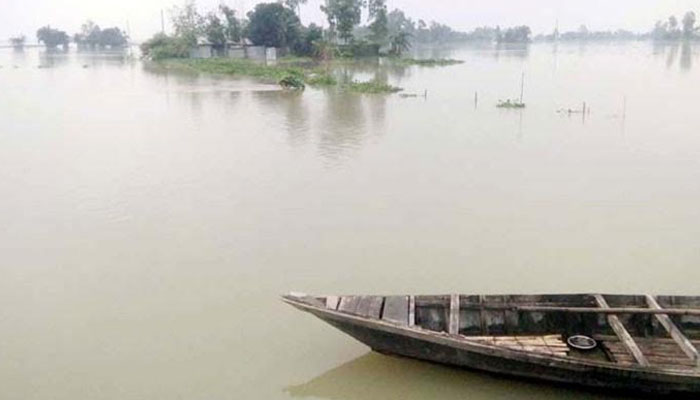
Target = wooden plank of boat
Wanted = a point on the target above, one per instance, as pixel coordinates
(411, 310)
(585, 310)
(482, 316)
(622, 333)
(369, 306)
(453, 328)
(349, 304)
(674, 331)
(332, 302)
(396, 310)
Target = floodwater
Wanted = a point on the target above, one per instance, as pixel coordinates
(149, 220)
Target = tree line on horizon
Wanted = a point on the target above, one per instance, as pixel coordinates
(277, 24)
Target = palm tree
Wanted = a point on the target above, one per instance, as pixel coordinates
(400, 43)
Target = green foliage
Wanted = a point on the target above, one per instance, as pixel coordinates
(372, 87)
(292, 82)
(162, 46)
(310, 35)
(517, 34)
(239, 67)
(215, 31)
(400, 43)
(510, 104)
(294, 5)
(321, 79)
(112, 38)
(359, 48)
(187, 21)
(52, 38)
(325, 50)
(380, 22)
(343, 16)
(233, 28)
(273, 25)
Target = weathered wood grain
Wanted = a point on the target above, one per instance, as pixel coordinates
(622, 333)
(332, 302)
(453, 327)
(678, 336)
(396, 310)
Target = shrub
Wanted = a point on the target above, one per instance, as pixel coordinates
(292, 82)
(162, 46)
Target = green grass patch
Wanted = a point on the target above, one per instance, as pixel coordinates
(510, 104)
(288, 73)
(372, 87)
(238, 67)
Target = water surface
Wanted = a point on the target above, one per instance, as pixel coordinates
(150, 219)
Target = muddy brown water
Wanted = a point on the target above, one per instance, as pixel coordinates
(150, 219)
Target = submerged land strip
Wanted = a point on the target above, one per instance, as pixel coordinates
(297, 72)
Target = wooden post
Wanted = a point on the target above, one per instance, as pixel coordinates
(411, 310)
(682, 341)
(453, 328)
(622, 333)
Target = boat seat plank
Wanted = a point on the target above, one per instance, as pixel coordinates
(396, 310)
(545, 344)
(678, 336)
(622, 333)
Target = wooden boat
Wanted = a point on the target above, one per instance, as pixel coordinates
(642, 343)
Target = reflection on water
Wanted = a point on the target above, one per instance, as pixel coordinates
(677, 52)
(378, 377)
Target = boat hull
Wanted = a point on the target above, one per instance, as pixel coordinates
(442, 349)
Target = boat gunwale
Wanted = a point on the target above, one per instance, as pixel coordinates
(463, 343)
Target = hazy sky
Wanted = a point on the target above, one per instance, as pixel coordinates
(143, 16)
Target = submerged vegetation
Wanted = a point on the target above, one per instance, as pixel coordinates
(372, 87)
(512, 104)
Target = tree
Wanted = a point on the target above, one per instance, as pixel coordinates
(215, 31)
(295, 5)
(379, 26)
(232, 29)
(273, 25)
(88, 36)
(187, 21)
(400, 43)
(343, 16)
(518, 34)
(398, 22)
(689, 24)
(18, 42)
(310, 36)
(162, 46)
(674, 32)
(52, 38)
(112, 38)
